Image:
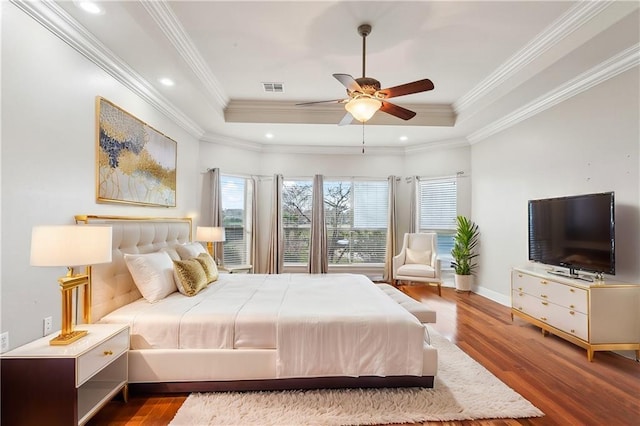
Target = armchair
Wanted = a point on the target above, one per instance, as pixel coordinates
(418, 260)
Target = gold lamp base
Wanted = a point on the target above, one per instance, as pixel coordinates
(67, 284)
(65, 339)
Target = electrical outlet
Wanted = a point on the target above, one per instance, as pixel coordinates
(47, 324)
(4, 341)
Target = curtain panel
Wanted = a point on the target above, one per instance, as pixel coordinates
(318, 260)
(216, 209)
(253, 225)
(275, 260)
(392, 225)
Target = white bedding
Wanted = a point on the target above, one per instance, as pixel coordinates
(320, 325)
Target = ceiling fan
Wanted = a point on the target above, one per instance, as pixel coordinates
(365, 96)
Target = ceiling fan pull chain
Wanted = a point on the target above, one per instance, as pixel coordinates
(363, 138)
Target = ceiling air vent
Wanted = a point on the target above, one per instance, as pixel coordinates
(273, 87)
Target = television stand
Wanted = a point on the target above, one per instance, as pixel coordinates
(593, 316)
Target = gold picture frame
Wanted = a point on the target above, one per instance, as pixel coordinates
(136, 164)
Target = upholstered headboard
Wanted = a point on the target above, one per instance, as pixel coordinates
(111, 283)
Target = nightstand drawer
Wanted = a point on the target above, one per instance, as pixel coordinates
(102, 355)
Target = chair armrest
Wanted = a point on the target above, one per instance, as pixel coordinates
(396, 262)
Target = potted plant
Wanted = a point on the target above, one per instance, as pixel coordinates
(465, 241)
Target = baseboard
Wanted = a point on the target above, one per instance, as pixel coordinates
(492, 295)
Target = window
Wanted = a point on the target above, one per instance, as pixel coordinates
(296, 220)
(437, 210)
(356, 218)
(236, 218)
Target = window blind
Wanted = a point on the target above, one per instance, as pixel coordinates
(235, 211)
(296, 220)
(356, 218)
(438, 204)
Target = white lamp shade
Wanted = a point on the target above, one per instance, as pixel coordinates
(210, 233)
(363, 108)
(69, 245)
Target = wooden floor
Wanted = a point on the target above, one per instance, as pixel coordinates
(551, 373)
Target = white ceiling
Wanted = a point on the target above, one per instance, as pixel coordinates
(486, 60)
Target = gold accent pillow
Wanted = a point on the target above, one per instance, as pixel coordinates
(189, 276)
(209, 266)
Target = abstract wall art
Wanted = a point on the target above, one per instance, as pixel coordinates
(136, 163)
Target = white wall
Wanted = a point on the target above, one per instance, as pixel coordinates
(48, 160)
(589, 143)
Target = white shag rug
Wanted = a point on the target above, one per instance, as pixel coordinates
(464, 390)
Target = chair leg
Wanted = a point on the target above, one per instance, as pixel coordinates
(440, 289)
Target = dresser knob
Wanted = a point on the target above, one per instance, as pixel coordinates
(543, 318)
(572, 313)
(543, 296)
(543, 282)
(571, 306)
(573, 331)
(544, 303)
(572, 290)
(108, 353)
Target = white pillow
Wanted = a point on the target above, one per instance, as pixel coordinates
(189, 250)
(172, 252)
(418, 256)
(152, 273)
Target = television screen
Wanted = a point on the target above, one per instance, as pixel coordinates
(575, 232)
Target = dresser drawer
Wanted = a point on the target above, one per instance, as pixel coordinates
(102, 355)
(565, 295)
(526, 303)
(525, 283)
(570, 321)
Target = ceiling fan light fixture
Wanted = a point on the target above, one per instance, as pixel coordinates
(363, 108)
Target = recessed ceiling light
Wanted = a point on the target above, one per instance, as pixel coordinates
(403, 138)
(89, 7)
(269, 135)
(166, 81)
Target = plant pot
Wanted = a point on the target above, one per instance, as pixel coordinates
(463, 282)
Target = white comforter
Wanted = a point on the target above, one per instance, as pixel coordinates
(320, 325)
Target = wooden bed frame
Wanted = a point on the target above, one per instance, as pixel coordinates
(200, 370)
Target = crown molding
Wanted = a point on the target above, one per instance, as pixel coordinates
(298, 149)
(355, 150)
(232, 142)
(62, 25)
(437, 145)
(171, 26)
(255, 111)
(610, 68)
(573, 19)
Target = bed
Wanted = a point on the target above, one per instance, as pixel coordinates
(253, 331)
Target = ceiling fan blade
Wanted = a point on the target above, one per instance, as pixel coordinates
(349, 82)
(346, 120)
(397, 111)
(407, 89)
(337, 101)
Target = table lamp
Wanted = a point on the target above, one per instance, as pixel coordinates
(70, 246)
(210, 235)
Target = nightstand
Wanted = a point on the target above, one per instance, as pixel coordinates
(64, 385)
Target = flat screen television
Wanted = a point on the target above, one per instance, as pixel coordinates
(576, 232)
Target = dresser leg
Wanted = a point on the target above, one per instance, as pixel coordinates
(589, 355)
(125, 393)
